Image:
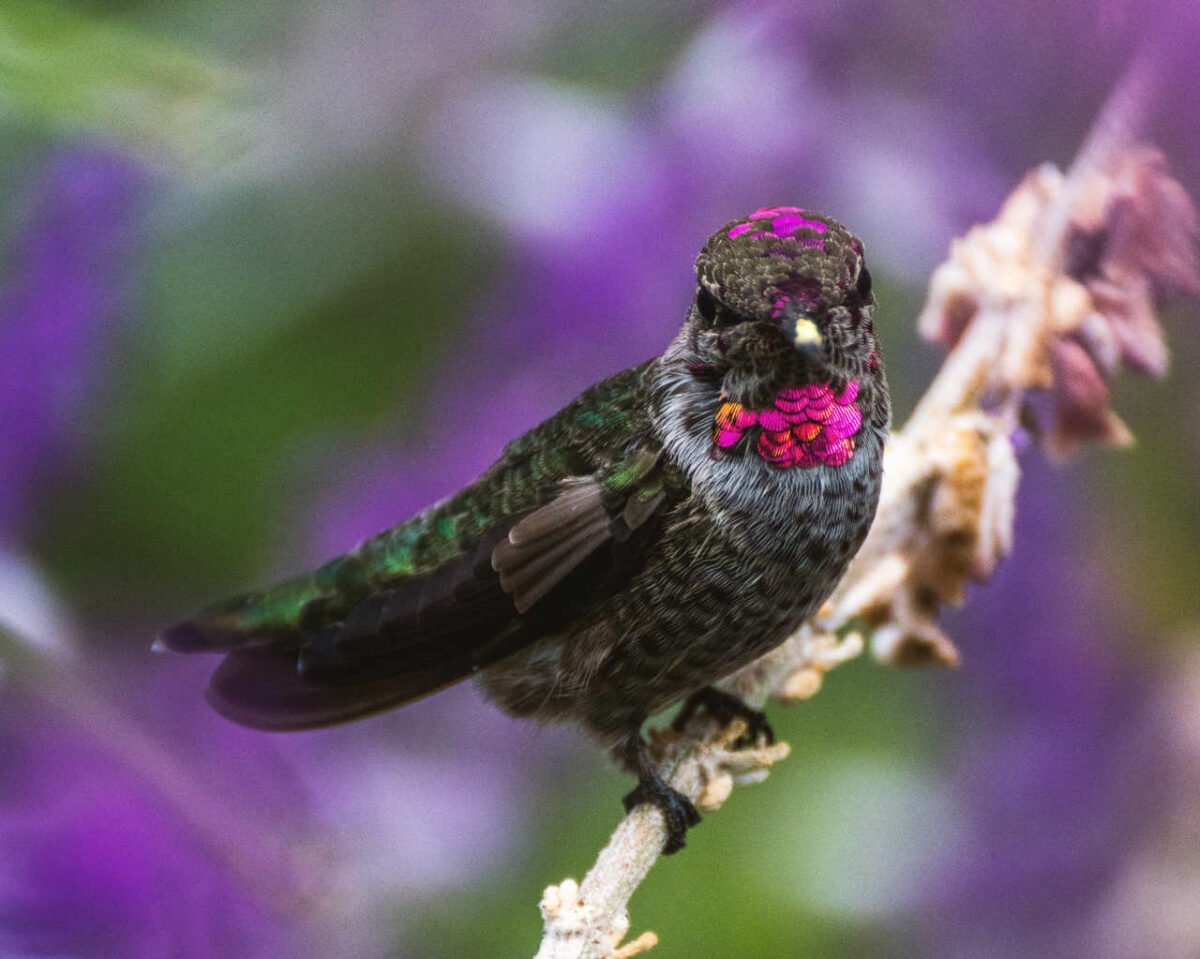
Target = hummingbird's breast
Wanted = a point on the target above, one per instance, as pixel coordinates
(750, 550)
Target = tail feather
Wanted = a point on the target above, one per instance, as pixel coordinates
(260, 687)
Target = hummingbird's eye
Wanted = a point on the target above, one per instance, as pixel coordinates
(706, 305)
(864, 283)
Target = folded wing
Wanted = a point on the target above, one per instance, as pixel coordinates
(525, 578)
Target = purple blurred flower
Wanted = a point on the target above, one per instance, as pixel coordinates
(63, 295)
(111, 845)
(1054, 775)
(428, 797)
(354, 74)
(202, 838)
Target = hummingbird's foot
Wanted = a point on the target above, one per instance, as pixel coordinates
(724, 708)
(677, 809)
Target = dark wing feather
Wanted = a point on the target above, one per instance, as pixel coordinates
(543, 548)
(522, 581)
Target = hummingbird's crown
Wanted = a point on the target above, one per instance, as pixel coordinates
(777, 251)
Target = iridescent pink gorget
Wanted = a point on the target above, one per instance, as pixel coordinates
(805, 426)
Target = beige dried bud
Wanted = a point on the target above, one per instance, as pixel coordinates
(822, 652)
(643, 943)
(562, 905)
(970, 511)
(914, 641)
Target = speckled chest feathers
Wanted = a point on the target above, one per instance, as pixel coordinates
(670, 525)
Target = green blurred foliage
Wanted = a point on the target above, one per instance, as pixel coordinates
(277, 317)
(1145, 499)
(75, 73)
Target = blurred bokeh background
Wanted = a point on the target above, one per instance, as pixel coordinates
(276, 275)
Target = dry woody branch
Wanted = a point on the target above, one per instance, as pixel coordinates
(1040, 310)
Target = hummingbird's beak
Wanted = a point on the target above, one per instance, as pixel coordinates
(806, 338)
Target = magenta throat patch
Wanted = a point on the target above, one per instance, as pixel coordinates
(805, 426)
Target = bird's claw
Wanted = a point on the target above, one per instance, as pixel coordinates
(724, 708)
(678, 811)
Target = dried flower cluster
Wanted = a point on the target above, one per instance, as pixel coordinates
(1040, 309)
(1130, 240)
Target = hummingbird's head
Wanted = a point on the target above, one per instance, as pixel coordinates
(783, 300)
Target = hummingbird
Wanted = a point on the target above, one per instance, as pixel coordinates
(666, 528)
